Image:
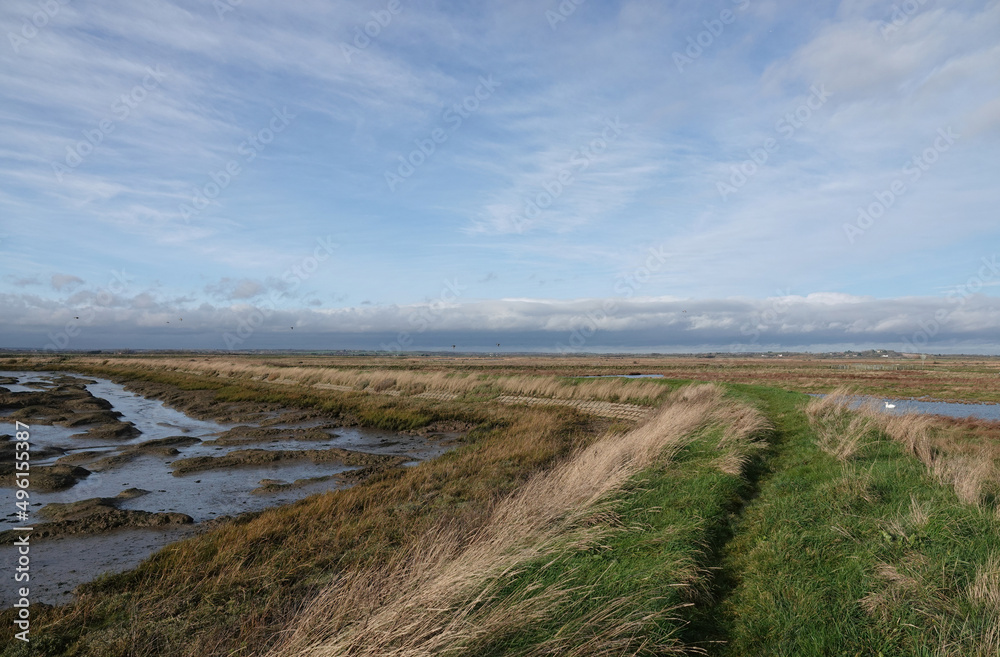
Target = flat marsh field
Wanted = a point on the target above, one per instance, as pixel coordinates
(717, 509)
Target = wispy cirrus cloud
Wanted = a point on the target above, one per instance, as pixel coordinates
(475, 210)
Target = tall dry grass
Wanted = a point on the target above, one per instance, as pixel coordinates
(970, 467)
(916, 585)
(840, 431)
(446, 594)
(410, 381)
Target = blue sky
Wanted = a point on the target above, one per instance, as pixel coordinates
(551, 176)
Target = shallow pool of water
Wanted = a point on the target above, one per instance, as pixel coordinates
(978, 411)
(622, 376)
(59, 565)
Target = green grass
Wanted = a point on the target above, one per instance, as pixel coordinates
(808, 551)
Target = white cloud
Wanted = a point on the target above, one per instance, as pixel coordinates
(553, 325)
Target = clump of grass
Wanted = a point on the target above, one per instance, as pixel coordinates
(387, 383)
(840, 431)
(956, 619)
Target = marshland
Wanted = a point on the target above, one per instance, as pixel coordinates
(508, 505)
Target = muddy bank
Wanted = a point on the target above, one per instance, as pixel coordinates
(95, 516)
(202, 404)
(250, 457)
(38, 452)
(46, 478)
(442, 428)
(65, 401)
(100, 461)
(276, 485)
(246, 435)
(346, 478)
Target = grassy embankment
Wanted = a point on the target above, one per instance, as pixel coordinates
(849, 534)
(604, 554)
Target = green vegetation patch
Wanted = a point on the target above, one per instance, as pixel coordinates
(866, 556)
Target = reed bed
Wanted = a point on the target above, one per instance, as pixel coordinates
(411, 382)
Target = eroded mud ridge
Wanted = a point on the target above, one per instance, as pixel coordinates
(65, 401)
(95, 515)
(58, 401)
(107, 463)
(260, 456)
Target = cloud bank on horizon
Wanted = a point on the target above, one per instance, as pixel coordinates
(567, 175)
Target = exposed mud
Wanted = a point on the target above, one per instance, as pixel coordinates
(45, 478)
(94, 516)
(65, 401)
(99, 461)
(244, 457)
(276, 485)
(246, 435)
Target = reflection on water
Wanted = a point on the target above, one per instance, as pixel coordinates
(978, 411)
(622, 376)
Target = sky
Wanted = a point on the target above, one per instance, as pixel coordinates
(557, 176)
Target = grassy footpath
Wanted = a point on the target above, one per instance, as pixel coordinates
(869, 556)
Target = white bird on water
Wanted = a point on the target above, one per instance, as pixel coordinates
(888, 405)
